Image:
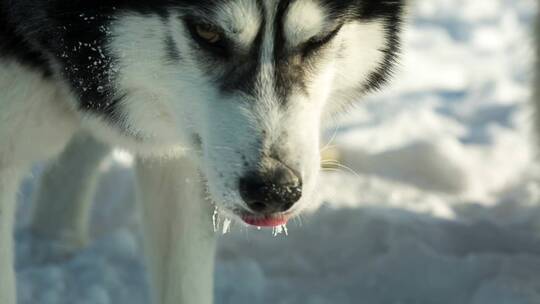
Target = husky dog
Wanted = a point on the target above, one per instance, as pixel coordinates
(219, 99)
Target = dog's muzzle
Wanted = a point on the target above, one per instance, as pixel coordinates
(271, 190)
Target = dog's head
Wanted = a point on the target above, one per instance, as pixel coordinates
(248, 83)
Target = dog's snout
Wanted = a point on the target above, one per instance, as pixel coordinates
(275, 189)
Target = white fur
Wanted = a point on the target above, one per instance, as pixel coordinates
(305, 19)
(366, 41)
(36, 119)
(35, 122)
(179, 237)
(149, 82)
(8, 184)
(240, 20)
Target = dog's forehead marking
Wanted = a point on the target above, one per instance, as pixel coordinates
(265, 77)
(303, 20)
(240, 19)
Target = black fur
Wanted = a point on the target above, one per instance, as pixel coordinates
(171, 50)
(391, 12)
(15, 46)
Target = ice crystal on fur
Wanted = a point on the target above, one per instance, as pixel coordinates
(280, 230)
(215, 219)
(226, 228)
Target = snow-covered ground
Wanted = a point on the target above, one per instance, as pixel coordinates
(444, 206)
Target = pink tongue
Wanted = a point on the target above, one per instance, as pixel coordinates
(266, 222)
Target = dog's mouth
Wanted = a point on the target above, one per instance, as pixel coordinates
(268, 220)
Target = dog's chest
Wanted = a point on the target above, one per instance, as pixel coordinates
(36, 120)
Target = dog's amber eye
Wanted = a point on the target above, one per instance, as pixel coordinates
(208, 33)
(210, 38)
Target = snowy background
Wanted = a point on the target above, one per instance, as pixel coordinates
(444, 206)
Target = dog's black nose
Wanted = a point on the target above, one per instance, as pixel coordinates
(272, 191)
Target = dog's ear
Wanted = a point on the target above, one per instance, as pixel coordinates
(365, 62)
(368, 54)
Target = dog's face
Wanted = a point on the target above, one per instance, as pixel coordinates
(248, 83)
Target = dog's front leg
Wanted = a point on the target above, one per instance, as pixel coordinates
(9, 182)
(178, 231)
